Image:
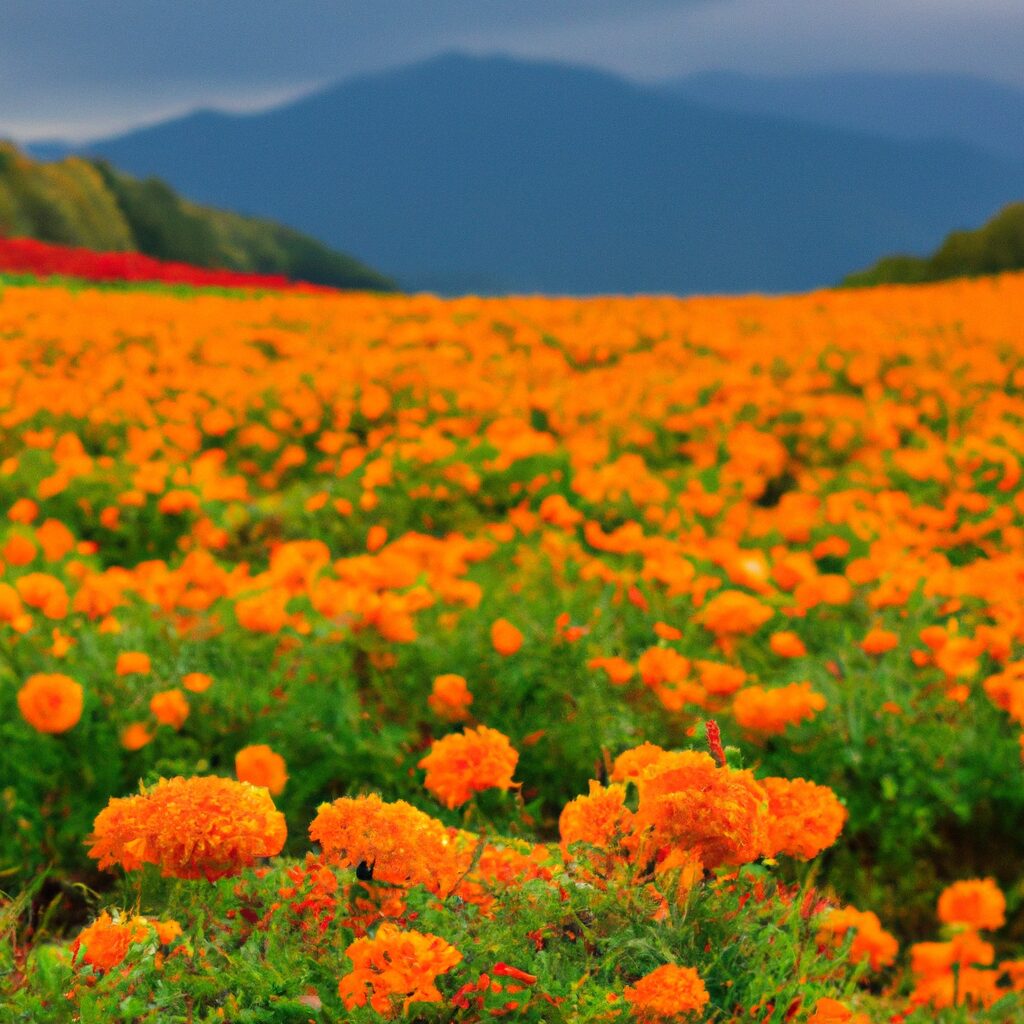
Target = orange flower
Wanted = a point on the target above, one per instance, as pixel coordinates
(50, 702)
(169, 707)
(505, 637)
(203, 827)
(878, 641)
(597, 819)
(803, 818)
(977, 903)
(133, 663)
(667, 994)
(787, 645)
(733, 613)
(399, 844)
(395, 969)
(260, 766)
(469, 762)
(135, 736)
(618, 670)
(196, 682)
(769, 712)
(871, 942)
(450, 698)
(831, 1011)
(105, 943)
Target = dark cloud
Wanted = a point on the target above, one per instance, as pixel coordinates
(82, 67)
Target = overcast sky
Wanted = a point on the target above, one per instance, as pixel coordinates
(81, 68)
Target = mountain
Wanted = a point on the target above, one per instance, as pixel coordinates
(997, 246)
(988, 115)
(494, 174)
(90, 204)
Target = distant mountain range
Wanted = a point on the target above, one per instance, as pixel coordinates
(493, 174)
(984, 114)
(88, 203)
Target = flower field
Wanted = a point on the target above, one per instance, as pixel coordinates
(608, 660)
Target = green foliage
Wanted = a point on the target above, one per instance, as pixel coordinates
(994, 248)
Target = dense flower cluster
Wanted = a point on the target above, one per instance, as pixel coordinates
(205, 827)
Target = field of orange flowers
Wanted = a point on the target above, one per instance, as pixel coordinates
(609, 660)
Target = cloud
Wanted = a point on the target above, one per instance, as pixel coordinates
(69, 67)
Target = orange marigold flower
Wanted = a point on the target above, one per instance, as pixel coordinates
(450, 698)
(734, 613)
(716, 813)
(878, 641)
(770, 711)
(505, 637)
(977, 903)
(169, 707)
(24, 510)
(166, 931)
(50, 702)
(831, 1011)
(395, 969)
(133, 663)
(666, 994)
(871, 942)
(469, 762)
(618, 670)
(597, 818)
(787, 644)
(105, 943)
(398, 843)
(260, 766)
(196, 682)
(135, 736)
(203, 827)
(803, 818)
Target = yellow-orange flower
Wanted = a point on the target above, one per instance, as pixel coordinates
(803, 818)
(395, 969)
(105, 943)
(769, 712)
(260, 766)
(51, 702)
(203, 827)
(506, 638)
(133, 663)
(734, 613)
(169, 707)
(450, 698)
(977, 903)
(196, 682)
(668, 993)
(469, 762)
(871, 941)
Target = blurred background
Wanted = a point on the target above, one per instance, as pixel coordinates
(680, 146)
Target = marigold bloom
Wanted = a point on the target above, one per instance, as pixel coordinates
(395, 969)
(399, 843)
(505, 637)
(169, 707)
(105, 943)
(618, 670)
(462, 764)
(50, 702)
(688, 802)
(977, 903)
(133, 663)
(871, 942)
(196, 682)
(450, 698)
(597, 818)
(787, 645)
(831, 1011)
(666, 994)
(803, 818)
(733, 613)
(135, 736)
(769, 712)
(878, 641)
(259, 765)
(203, 827)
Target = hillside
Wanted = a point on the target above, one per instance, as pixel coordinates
(88, 203)
(492, 174)
(997, 246)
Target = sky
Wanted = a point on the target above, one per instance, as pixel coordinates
(80, 69)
